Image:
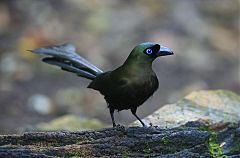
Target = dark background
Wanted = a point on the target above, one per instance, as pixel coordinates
(203, 34)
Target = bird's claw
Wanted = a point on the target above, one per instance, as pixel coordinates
(118, 126)
(149, 126)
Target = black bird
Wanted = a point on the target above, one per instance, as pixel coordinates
(126, 87)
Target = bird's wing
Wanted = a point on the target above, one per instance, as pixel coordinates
(107, 83)
(124, 86)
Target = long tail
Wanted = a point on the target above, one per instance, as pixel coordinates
(65, 56)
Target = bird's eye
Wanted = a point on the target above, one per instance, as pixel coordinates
(149, 51)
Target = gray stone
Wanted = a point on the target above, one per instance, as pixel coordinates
(40, 103)
(213, 107)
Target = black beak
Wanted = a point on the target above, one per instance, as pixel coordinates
(164, 51)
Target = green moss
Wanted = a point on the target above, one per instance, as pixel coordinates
(169, 149)
(215, 150)
(213, 147)
(203, 127)
(116, 150)
(164, 140)
(235, 146)
(147, 149)
(125, 154)
(77, 153)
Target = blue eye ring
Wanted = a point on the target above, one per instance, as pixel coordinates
(149, 51)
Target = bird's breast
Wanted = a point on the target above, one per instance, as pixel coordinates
(125, 91)
(136, 91)
(145, 86)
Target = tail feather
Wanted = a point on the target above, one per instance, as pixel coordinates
(65, 57)
(69, 68)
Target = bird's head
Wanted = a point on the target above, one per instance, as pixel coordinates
(148, 51)
(152, 50)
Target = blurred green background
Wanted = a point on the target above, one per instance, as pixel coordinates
(203, 34)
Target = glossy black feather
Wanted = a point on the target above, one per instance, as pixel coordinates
(122, 93)
(68, 66)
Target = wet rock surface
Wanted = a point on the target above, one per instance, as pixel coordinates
(194, 139)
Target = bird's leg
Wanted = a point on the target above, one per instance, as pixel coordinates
(112, 116)
(134, 110)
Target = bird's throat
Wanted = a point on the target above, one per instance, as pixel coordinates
(138, 67)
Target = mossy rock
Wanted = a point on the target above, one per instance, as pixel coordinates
(71, 123)
(213, 107)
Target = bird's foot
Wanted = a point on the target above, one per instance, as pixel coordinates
(150, 125)
(153, 126)
(119, 125)
(145, 126)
